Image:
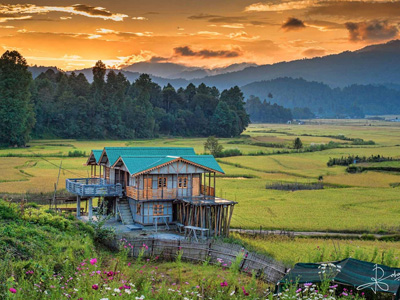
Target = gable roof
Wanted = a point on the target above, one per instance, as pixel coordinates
(137, 165)
(113, 153)
(94, 154)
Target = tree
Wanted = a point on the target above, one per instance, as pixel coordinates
(297, 143)
(213, 146)
(16, 108)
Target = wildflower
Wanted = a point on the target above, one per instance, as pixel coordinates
(117, 290)
(12, 290)
(244, 291)
(224, 283)
(299, 290)
(233, 292)
(93, 261)
(145, 246)
(95, 287)
(308, 284)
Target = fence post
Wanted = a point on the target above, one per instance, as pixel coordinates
(244, 259)
(152, 248)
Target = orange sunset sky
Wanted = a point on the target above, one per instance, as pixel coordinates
(212, 33)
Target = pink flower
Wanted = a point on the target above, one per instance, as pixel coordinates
(244, 291)
(298, 291)
(93, 261)
(12, 290)
(129, 264)
(95, 287)
(224, 283)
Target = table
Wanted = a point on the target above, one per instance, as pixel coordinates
(193, 229)
(157, 218)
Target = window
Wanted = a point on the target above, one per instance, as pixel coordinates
(158, 209)
(162, 182)
(107, 173)
(182, 182)
(138, 209)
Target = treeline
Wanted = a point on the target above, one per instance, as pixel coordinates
(265, 112)
(68, 106)
(351, 159)
(354, 101)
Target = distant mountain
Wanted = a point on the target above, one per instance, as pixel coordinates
(37, 70)
(178, 71)
(376, 64)
(354, 100)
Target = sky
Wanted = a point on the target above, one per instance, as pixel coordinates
(206, 33)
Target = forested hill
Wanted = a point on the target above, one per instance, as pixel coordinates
(324, 101)
(69, 106)
(377, 64)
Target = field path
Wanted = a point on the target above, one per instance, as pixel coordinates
(315, 234)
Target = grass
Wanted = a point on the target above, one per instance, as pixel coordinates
(294, 250)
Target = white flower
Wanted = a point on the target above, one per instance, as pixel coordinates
(117, 290)
(139, 298)
(233, 292)
(128, 291)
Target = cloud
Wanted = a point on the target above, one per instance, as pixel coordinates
(105, 31)
(158, 59)
(242, 35)
(227, 19)
(293, 24)
(233, 26)
(375, 30)
(205, 53)
(10, 11)
(289, 5)
(312, 52)
(356, 9)
(11, 17)
(139, 18)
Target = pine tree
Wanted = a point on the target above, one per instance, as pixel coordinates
(16, 108)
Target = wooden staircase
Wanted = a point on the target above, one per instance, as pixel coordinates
(125, 212)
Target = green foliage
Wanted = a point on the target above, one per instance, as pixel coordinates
(302, 113)
(297, 143)
(16, 109)
(265, 112)
(351, 159)
(68, 106)
(213, 146)
(76, 153)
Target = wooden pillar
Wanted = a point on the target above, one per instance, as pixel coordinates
(95, 170)
(91, 170)
(214, 186)
(78, 206)
(209, 184)
(229, 220)
(90, 208)
(100, 171)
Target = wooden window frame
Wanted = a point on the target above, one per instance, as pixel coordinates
(162, 182)
(182, 182)
(158, 210)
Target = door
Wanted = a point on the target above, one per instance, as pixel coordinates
(148, 188)
(196, 186)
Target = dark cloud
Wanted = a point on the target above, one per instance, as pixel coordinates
(226, 19)
(357, 9)
(205, 53)
(375, 30)
(314, 52)
(202, 16)
(293, 24)
(93, 11)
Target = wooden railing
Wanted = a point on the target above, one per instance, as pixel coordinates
(208, 191)
(151, 194)
(93, 187)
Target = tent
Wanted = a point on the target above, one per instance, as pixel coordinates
(360, 275)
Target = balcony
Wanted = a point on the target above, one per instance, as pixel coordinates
(166, 193)
(93, 187)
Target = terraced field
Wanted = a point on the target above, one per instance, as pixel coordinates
(360, 202)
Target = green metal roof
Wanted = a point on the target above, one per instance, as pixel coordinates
(138, 164)
(97, 154)
(113, 153)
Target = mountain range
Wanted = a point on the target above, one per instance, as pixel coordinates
(364, 80)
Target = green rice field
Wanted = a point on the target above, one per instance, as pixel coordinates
(360, 202)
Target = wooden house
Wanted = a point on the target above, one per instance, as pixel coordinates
(156, 185)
